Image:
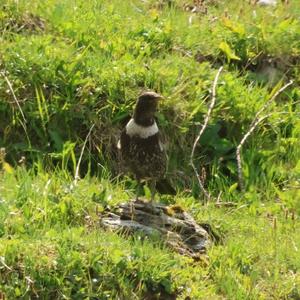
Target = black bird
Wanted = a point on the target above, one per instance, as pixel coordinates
(141, 148)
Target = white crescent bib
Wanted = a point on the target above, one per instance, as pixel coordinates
(133, 129)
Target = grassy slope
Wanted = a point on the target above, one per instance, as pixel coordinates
(86, 63)
(52, 246)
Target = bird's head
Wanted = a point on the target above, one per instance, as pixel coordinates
(146, 108)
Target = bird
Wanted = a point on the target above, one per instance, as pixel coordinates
(140, 145)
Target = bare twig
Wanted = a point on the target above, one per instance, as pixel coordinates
(23, 123)
(77, 177)
(219, 197)
(2, 261)
(211, 106)
(270, 101)
(252, 127)
(14, 96)
(249, 62)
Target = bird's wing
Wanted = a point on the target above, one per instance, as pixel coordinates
(124, 142)
(119, 144)
(162, 145)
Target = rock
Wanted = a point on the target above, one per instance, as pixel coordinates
(171, 223)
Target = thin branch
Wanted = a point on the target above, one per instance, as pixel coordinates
(23, 123)
(77, 177)
(2, 261)
(270, 101)
(211, 106)
(252, 127)
(14, 96)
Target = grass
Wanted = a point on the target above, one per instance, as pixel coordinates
(53, 247)
(74, 64)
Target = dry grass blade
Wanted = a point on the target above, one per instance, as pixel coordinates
(14, 96)
(211, 106)
(270, 101)
(23, 123)
(77, 177)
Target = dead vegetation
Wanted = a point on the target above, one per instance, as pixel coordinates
(27, 22)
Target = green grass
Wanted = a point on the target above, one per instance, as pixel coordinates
(74, 64)
(52, 246)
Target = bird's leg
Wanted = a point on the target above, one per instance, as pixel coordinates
(137, 192)
(152, 190)
(138, 189)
